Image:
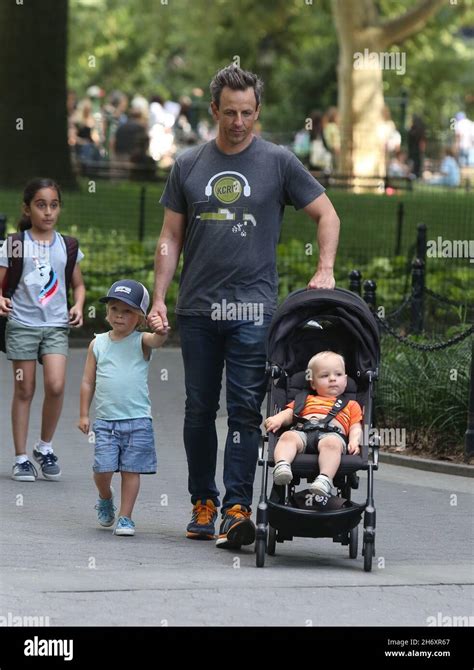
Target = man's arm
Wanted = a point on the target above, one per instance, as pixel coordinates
(167, 255)
(324, 214)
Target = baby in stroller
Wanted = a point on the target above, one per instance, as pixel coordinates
(325, 424)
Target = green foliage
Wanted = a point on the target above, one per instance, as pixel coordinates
(150, 47)
(425, 392)
(439, 73)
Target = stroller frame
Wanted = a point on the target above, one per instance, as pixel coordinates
(277, 519)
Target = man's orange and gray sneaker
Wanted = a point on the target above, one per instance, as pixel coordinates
(236, 528)
(202, 521)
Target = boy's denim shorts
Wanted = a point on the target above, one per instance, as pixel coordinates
(126, 445)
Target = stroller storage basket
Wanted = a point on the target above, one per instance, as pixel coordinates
(290, 521)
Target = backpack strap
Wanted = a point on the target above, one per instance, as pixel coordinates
(15, 264)
(72, 246)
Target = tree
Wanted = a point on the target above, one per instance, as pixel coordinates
(361, 31)
(33, 117)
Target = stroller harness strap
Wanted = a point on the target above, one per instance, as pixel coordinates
(323, 424)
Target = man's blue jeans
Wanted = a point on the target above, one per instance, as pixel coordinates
(206, 344)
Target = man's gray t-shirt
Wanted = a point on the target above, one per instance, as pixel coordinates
(234, 206)
(40, 297)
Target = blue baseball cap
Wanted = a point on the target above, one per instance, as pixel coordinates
(129, 291)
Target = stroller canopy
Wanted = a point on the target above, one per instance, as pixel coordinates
(313, 320)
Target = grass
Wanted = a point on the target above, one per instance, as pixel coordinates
(369, 221)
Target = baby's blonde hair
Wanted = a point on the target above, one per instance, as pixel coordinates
(317, 358)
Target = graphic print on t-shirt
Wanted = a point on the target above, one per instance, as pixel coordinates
(46, 278)
(227, 187)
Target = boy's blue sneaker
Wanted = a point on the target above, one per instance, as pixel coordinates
(125, 526)
(202, 521)
(24, 472)
(48, 463)
(106, 510)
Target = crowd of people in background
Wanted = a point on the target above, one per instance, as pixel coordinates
(145, 133)
(137, 132)
(319, 146)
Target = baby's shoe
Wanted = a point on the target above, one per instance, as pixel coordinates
(322, 485)
(282, 474)
(125, 526)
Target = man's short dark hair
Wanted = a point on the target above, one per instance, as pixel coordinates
(236, 79)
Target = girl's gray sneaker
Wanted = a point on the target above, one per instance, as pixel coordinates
(24, 472)
(48, 463)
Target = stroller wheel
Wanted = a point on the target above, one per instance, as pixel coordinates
(271, 541)
(353, 542)
(260, 546)
(368, 551)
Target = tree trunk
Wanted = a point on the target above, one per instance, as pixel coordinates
(33, 117)
(360, 91)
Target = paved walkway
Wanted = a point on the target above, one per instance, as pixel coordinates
(55, 562)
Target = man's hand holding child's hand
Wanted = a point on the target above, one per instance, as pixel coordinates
(156, 324)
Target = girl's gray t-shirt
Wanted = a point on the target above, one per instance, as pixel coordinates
(40, 297)
(234, 206)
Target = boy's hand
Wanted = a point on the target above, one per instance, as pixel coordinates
(158, 314)
(75, 317)
(157, 325)
(5, 306)
(272, 424)
(84, 424)
(353, 447)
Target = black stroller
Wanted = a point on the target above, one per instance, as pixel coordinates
(310, 321)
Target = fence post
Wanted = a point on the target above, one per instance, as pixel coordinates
(398, 238)
(141, 219)
(370, 294)
(355, 279)
(3, 226)
(418, 269)
(417, 295)
(469, 437)
(421, 242)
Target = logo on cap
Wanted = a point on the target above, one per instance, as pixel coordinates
(122, 289)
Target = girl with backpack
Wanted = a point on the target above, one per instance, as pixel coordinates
(37, 267)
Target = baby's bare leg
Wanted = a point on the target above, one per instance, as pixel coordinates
(288, 446)
(330, 450)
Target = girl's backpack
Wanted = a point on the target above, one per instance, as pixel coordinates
(15, 268)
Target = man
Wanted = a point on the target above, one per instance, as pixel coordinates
(224, 204)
